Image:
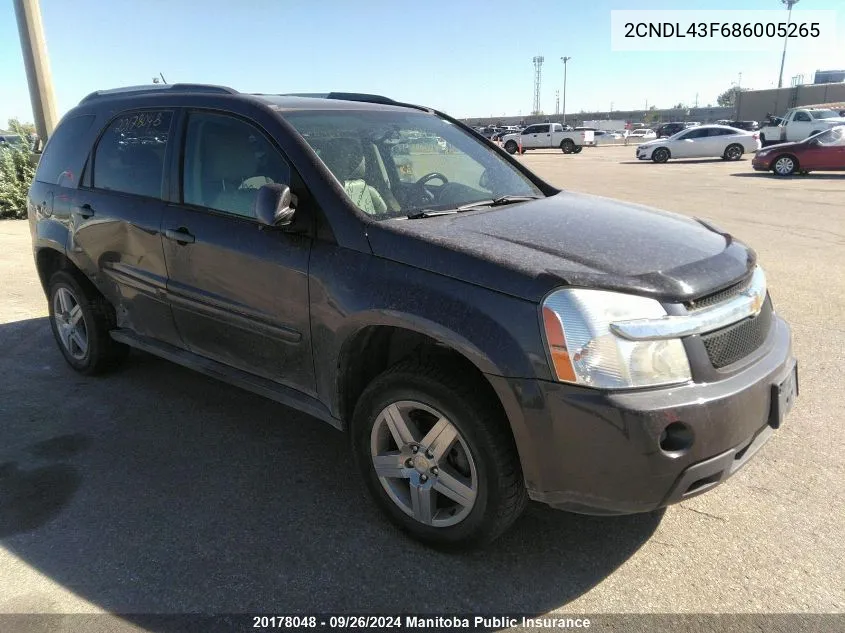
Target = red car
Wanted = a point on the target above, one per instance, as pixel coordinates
(821, 152)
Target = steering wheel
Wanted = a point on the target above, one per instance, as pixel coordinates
(421, 183)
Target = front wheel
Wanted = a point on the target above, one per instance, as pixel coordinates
(578, 149)
(437, 455)
(733, 152)
(511, 147)
(785, 165)
(660, 155)
(567, 145)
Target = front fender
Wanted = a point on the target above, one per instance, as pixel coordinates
(349, 291)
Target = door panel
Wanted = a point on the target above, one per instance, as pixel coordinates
(121, 241)
(116, 221)
(240, 294)
(239, 290)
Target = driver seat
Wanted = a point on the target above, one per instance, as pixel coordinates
(345, 159)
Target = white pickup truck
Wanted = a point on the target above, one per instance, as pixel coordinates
(546, 135)
(799, 123)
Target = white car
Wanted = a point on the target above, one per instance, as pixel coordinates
(643, 133)
(701, 142)
(606, 137)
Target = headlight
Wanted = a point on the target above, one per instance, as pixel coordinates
(584, 351)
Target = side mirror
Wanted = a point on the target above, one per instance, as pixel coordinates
(274, 205)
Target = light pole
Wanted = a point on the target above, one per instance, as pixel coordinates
(564, 60)
(789, 4)
(37, 65)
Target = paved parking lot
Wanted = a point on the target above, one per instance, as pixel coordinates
(159, 490)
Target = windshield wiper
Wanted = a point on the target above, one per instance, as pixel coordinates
(496, 202)
(428, 213)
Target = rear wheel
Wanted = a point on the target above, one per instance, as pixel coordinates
(733, 152)
(785, 165)
(578, 149)
(81, 320)
(660, 155)
(567, 145)
(437, 456)
(511, 147)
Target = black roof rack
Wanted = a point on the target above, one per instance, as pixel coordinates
(345, 96)
(152, 88)
(357, 96)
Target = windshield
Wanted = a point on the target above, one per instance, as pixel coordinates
(834, 137)
(395, 164)
(12, 139)
(824, 114)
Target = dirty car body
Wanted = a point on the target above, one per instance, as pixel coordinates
(383, 267)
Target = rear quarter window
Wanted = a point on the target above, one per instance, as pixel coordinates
(63, 157)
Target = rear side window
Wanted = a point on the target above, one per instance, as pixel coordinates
(64, 155)
(130, 155)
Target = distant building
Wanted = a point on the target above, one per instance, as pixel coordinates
(829, 76)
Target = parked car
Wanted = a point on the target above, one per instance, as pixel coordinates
(824, 151)
(748, 126)
(453, 315)
(798, 124)
(643, 133)
(545, 136)
(668, 129)
(604, 137)
(12, 140)
(700, 142)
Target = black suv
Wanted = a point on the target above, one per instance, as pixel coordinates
(483, 337)
(668, 129)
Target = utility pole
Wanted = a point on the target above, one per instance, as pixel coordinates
(34, 48)
(789, 4)
(564, 60)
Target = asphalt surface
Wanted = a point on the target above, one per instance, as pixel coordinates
(157, 490)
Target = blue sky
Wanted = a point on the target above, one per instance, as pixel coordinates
(467, 57)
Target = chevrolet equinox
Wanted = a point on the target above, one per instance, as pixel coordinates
(483, 337)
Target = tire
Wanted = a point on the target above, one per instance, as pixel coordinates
(785, 165)
(81, 320)
(567, 145)
(660, 155)
(578, 149)
(511, 147)
(733, 151)
(482, 456)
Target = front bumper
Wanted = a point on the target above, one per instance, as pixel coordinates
(760, 165)
(596, 452)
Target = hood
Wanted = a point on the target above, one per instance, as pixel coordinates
(528, 249)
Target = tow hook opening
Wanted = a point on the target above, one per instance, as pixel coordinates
(677, 438)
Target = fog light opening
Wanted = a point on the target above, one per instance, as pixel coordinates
(676, 438)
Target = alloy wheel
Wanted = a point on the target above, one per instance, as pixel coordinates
(70, 323)
(424, 463)
(784, 166)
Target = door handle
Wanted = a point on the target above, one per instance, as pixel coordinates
(84, 210)
(180, 235)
